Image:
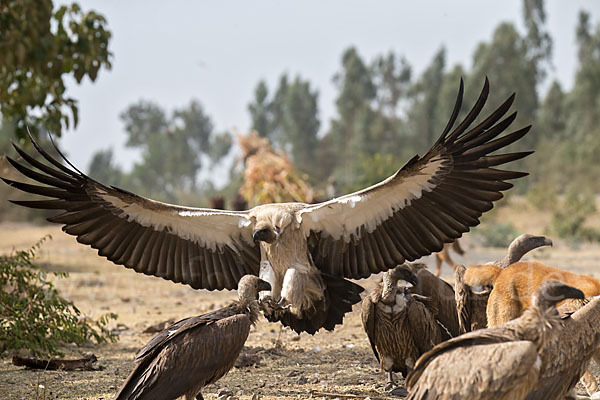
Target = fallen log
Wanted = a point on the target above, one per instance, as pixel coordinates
(84, 363)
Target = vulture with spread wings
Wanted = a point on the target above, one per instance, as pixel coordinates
(306, 252)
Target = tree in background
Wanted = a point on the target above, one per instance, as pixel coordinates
(424, 118)
(39, 48)
(175, 149)
(103, 168)
(289, 119)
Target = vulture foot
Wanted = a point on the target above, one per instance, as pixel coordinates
(276, 308)
(391, 383)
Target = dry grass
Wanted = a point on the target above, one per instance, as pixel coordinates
(290, 366)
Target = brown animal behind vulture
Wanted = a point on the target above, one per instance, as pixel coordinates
(471, 305)
(399, 324)
(196, 351)
(306, 252)
(499, 363)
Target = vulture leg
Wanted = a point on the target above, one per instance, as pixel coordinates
(438, 265)
(391, 383)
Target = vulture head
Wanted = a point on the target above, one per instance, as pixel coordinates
(249, 286)
(522, 245)
(270, 225)
(390, 281)
(552, 292)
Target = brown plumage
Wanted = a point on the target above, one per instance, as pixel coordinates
(399, 324)
(440, 295)
(471, 305)
(499, 363)
(566, 356)
(308, 250)
(196, 351)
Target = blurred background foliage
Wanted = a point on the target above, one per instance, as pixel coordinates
(385, 114)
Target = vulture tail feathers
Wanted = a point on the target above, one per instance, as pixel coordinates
(341, 294)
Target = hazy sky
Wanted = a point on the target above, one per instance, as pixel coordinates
(172, 51)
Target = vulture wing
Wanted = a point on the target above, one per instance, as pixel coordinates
(198, 353)
(432, 200)
(203, 248)
(500, 334)
(368, 321)
(566, 356)
(492, 371)
(182, 326)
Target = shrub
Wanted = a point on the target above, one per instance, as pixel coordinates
(34, 316)
(569, 218)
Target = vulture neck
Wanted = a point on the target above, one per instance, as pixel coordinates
(537, 323)
(249, 307)
(286, 250)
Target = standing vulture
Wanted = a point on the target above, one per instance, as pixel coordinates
(500, 363)
(196, 351)
(566, 357)
(471, 305)
(306, 251)
(398, 323)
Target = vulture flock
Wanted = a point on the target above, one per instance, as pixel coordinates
(296, 263)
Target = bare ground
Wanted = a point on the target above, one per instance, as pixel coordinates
(336, 364)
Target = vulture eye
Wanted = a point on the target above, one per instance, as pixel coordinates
(277, 230)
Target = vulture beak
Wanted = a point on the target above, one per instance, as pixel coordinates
(542, 240)
(404, 273)
(264, 235)
(263, 285)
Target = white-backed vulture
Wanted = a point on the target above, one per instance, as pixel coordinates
(399, 324)
(471, 305)
(196, 351)
(305, 251)
(566, 356)
(500, 363)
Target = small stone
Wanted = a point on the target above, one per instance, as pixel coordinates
(302, 380)
(295, 338)
(399, 391)
(224, 393)
(255, 397)
(292, 373)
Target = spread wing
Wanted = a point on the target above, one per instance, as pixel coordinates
(431, 200)
(491, 371)
(203, 248)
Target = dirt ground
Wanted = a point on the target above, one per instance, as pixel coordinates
(336, 364)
